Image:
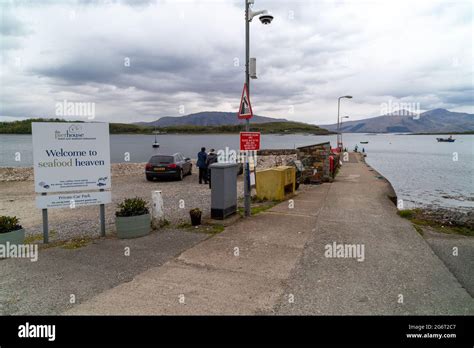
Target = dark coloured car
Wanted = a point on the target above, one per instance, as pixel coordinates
(299, 171)
(168, 166)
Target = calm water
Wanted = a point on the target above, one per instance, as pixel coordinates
(421, 170)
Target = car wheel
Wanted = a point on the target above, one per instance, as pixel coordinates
(149, 178)
(180, 174)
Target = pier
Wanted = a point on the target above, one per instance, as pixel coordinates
(277, 262)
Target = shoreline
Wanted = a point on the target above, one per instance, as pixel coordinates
(443, 216)
(12, 174)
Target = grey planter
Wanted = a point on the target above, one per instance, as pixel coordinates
(132, 226)
(14, 237)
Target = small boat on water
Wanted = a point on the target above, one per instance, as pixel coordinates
(364, 142)
(446, 140)
(156, 144)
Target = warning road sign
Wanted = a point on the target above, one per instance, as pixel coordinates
(245, 109)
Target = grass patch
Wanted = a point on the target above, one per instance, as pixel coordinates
(258, 208)
(76, 243)
(184, 225)
(39, 237)
(406, 213)
(203, 228)
(414, 215)
(217, 228)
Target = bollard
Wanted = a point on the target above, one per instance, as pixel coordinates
(157, 213)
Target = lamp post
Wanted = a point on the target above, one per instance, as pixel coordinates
(265, 19)
(339, 135)
(343, 117)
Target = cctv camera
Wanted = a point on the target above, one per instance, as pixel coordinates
(266, 19)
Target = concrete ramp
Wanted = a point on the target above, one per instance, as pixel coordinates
(276, 262)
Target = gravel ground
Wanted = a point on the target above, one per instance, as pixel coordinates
(17, 198)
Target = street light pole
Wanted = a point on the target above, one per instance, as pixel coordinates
(247, 121)
(338, 124)
(342, 118)
(339, 135)
(266, 19)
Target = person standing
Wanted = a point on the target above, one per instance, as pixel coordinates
(201, 164)
(211, 158)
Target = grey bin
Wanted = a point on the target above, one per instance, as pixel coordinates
(223, 190)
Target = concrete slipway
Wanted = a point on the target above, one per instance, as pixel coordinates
(274, 263)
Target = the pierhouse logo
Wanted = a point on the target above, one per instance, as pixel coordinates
(73, 132)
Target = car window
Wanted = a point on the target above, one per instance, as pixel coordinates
(161, 159)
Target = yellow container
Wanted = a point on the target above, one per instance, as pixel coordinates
(275, 183)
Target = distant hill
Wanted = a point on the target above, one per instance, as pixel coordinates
(24, 127)
(207, 118)
(433, 121)
(265, 128)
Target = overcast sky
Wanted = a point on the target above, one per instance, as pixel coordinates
(188, 56)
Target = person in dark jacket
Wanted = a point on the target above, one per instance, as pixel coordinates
(211, 158)
(201, 164)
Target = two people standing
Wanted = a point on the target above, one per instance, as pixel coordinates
(204, 160)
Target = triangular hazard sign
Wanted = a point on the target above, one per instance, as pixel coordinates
(245, 109)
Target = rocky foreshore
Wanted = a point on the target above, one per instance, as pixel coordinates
(26, 173)
(447, 217)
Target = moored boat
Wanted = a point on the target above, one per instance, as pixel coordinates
(446, 140)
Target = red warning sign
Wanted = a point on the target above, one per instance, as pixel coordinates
(245, 109)
(249, 141)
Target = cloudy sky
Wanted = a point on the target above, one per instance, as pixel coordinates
(140, 60)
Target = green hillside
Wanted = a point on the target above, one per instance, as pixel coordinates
(24, 127)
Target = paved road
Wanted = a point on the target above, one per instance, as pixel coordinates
(398, 264)
(45, 287)
(457, 253)
(275, 263)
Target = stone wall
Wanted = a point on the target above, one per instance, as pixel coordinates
(274, 158)
(315, 159)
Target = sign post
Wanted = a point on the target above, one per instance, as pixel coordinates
(102, 217)
(71, 157)
(45, 224)
(245, 112)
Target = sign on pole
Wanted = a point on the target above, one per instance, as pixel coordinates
(245, 108)
(249, 141)
(73, 199)
(71, 156)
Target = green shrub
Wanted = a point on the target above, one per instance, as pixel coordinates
(407, 213)
(195, 212)
(9, 224)
(132, 207)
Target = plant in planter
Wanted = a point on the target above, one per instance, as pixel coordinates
(11, 231)
(195, 214)
(132, 218)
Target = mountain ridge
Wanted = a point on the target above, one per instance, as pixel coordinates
(432, 121)
(207, 118)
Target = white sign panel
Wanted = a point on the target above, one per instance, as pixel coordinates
(71, 156)
(73, 200)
